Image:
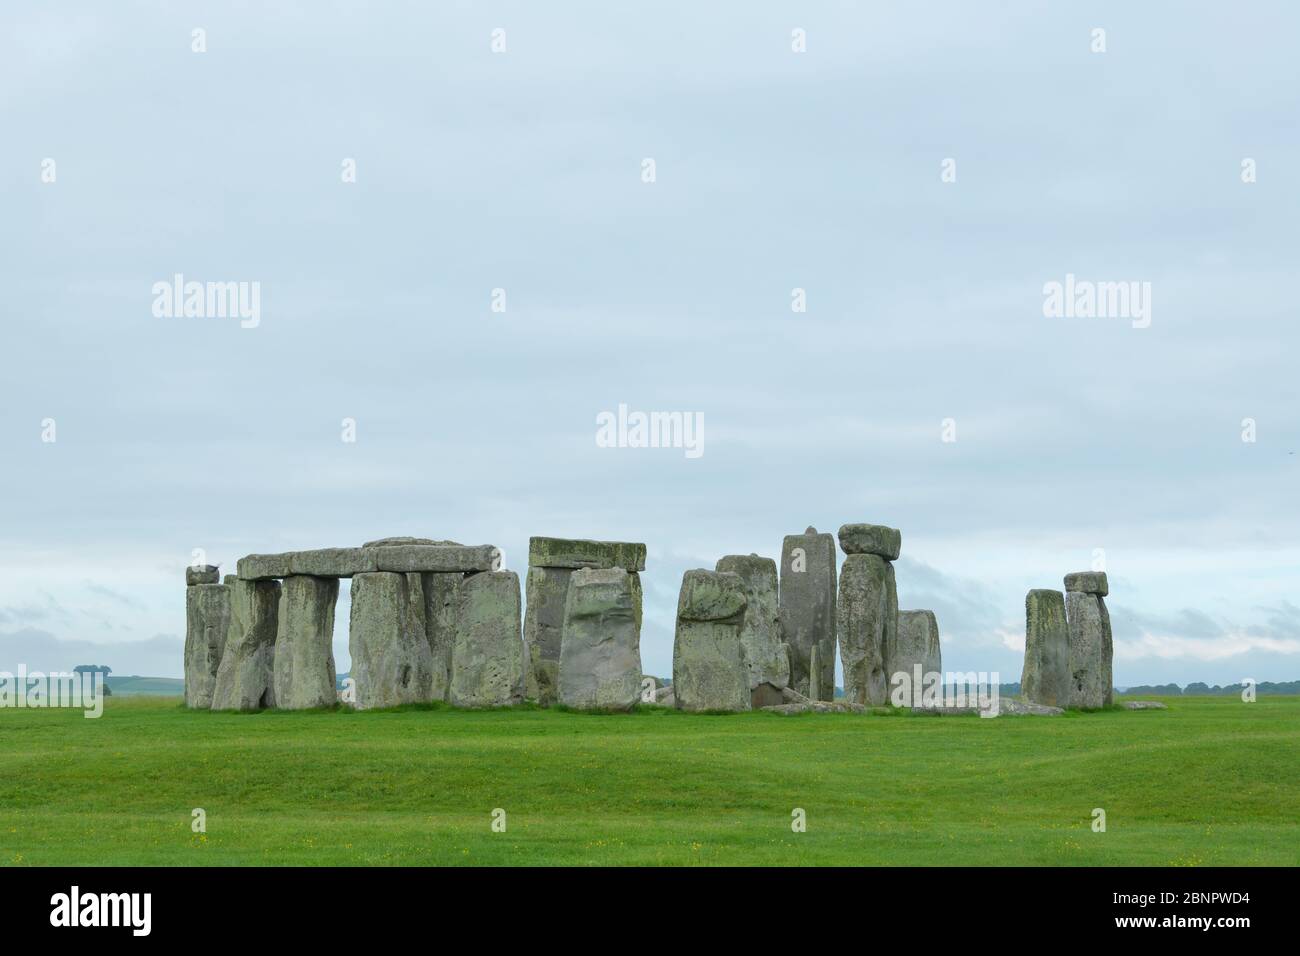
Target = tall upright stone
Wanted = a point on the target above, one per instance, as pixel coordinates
(304, 644)
(709, 668)
(487, 661)
(865, 612)
(207, 619)
(1091, 642)
(245, 680)
(914, 643)
(1046, 675)
(807, 608)
(600, 651)
(391, 662)
(551, 562)
(766, 655)
(440, 596)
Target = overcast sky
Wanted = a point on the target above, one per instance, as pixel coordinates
(774, 170)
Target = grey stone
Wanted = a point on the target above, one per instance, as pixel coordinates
(436, 558)
(207, 619)
(765, 695)
(1046, 675)
(391, 661)
(1107, 653)
(548, 589)
(304, 643)
(665, 696)
(1007, 707)
(245, 680)
(257, 567)
(1089, 652)
(1144, 705)
(766, 655)
(808, 607)
(865, 612)
(709, 670)
(440, 597)
(390, 542)
(202, 574)
(574, 553)
(333, 562)
(1089, 582)
(914, 644)
(600, 650)
(816, 707)
(871, 539)
(487, 662)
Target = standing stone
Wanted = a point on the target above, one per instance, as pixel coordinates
(304, 643)
(207, 618)
(709, 669)
(202, 574)
(391, 663)
(807, 603)
(915, 642)
(245, 679)
(1046, 675)
(551, 563)
(766, 655)
(1095, 583)
(487, 661)
(867, 610)
(600, 651)
(1089, 649)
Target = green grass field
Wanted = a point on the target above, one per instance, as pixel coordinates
(1208, 781)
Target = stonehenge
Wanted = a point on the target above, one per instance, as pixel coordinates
(303, 674)
(867, 611)
(600, 656)
(207, 618)
(551, 564)
(807, 610)
(766, 655)
(1045, 678)
(914, 651)
(245, 679)
(487, 659)
(391, 660)
(709, 668)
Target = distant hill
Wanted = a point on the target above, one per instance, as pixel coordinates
(127, 686)
(1263, 689)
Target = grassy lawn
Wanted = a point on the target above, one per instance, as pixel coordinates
(1208, 781)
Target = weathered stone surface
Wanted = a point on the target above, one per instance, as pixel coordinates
(436, 558)
(600, 650)
(871, 539)
(1089, 628)
(548, 589)
(304, 643)
(915, 642)
(203, 574)
(257, 567)
(1046, 675)
(403, 539)
(1107, 653)
(766, 655)
(709, 670)
(578, 553)
(207, 619)
(440, 596)
(808, 607)
(333, 562)
(665, 697)
(245, 680)
(1144, 705)
(391, 661)
(864, 611)
(765, 695)
(816, 707)
(1007, 707)
(487, 662)
(1089, 582)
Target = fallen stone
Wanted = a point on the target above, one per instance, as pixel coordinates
(665, 697)
(914, 644)
(709, 670)
(1089, 582)
(436, 558)
(333, 562)
(258, 567)
(245, 679)
(600, 652)
(817, 707)
(1088, 627)
(1144, 705)
(1045, 678)
(203, 574)
(1007, 707)
(207, 619)
(871, 539)
(304, 643)
(487, 662)
(807, 602)
(766, 655)
(578, 553)
(864, 610)
(391, 662)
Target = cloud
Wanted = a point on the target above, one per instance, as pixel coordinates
(159, 656)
